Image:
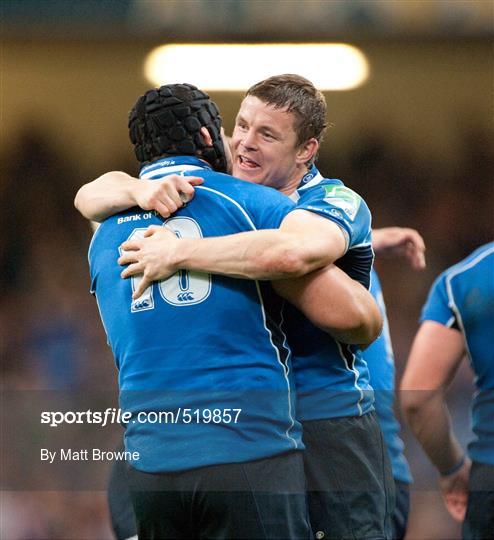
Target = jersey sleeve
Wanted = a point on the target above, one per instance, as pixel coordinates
(332, 200)
(437, 307)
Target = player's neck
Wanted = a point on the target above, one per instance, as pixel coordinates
(289, 187)
(292, 184)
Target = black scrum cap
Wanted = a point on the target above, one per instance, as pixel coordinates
(166, 122)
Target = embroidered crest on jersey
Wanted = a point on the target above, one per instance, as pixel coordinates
(343, 198)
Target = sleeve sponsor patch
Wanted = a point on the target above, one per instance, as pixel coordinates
(343, 198)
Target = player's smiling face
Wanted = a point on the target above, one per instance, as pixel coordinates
(264, 145)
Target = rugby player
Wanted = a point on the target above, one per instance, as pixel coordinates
(408, 244)
(387, 242)
(380, 361)
(275, 141)
(195, 343)
(457, 322)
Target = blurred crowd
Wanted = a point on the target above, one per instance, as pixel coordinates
(52, 338)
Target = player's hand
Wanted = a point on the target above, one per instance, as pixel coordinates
(151, 256)
(400, 242)
(165, 196)
(454, 489)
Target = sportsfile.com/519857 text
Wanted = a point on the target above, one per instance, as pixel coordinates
(112, 415)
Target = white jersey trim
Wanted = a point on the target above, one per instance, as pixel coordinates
(233, 201)
(286, 368)
(363, 244)
(450, 321)
(89, 249)
(356, 374)
(283, 367)
(163, 171)
(449, 291)
(316, 180)
(295, 196)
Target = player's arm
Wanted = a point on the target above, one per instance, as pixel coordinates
(116, 191)
(303, 243)
(436, 353)
(330, 299)
(399, 242)
(335, 303)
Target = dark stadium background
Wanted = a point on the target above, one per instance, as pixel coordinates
(415, 141)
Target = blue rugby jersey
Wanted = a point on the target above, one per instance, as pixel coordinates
(380, 361)
(332, 378)
(462, 297)
(194, 343)
(331, 199)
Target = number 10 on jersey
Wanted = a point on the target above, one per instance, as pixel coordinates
(183, 288)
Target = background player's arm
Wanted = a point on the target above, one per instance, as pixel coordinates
(399, 242)
(304, 242)
(435, 356)
(335, 303)
(116, 191)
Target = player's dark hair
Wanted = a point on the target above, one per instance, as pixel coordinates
(298, 96)
(166, 121)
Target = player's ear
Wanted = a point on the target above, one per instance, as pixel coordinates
(206, 136)
(228, 151)
(307, 150)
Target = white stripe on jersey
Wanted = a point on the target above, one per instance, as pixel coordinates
(451, 321)
(449, 291)
(295, 196)
(247, 217)
(95, 233)
(285, 371)
(356, 373)
(283, 367)
(363, 244)
(163, 171)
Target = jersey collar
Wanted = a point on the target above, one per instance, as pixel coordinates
(175, 164)
(310, 178)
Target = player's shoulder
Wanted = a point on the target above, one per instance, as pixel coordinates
(333, 194)
(241, 190)
(482, 253)
(123, 223)
(481, 257)
(263, 207)
(336, 189)
(328, 186)
(474, 270)
(227, 182)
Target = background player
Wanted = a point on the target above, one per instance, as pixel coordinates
(407, 243)
(457, 320)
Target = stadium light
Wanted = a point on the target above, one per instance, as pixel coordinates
(330, 66)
